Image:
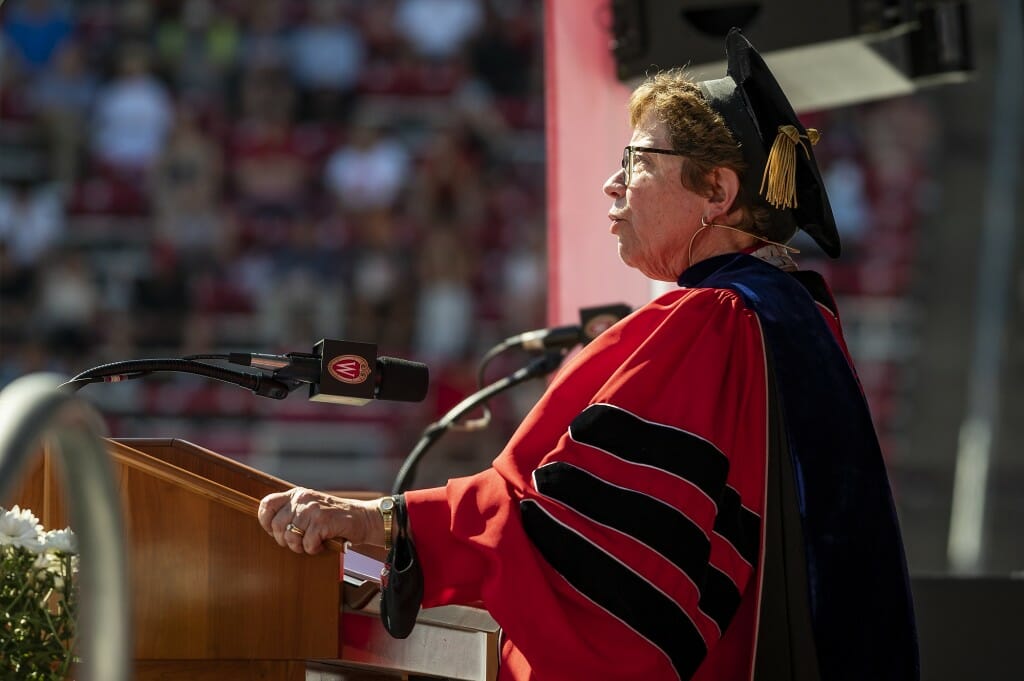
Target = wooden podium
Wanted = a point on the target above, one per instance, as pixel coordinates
(213, 597)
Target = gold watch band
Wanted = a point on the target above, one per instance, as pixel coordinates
(386, 506)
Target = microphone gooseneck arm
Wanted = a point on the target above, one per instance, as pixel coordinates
(540, 366)
(265, 386)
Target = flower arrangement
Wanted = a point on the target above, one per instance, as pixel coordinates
(38, 598)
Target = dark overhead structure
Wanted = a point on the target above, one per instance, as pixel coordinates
(939, 49)
(825, 54)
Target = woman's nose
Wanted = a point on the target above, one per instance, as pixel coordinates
(615, 185)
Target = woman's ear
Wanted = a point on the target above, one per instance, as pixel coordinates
(725, 186)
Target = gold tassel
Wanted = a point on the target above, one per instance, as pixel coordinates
(780, 171)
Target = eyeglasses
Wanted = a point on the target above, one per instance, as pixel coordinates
(627, 158)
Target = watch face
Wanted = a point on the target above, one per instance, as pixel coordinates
(387, 504)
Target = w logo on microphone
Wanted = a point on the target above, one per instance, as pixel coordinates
(351, 369)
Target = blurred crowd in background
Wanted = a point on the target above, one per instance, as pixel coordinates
(196, 176)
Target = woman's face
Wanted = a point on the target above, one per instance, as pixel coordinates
(655, 217)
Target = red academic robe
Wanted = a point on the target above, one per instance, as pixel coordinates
(618, 534)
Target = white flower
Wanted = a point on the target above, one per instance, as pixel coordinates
(54, 564)
(60, 540)
(50, 562)
(21, 528)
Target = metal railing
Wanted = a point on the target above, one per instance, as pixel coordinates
(33, 408)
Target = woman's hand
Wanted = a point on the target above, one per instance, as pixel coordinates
(315, 517)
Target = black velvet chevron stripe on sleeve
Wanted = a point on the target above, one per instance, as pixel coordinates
(629, 437)
(739, 526)
(719, 598)
(649, 520)
(618, 590)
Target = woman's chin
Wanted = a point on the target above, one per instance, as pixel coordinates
(625, 256)
(630, 259)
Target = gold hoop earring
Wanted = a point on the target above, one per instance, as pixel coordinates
(689, 247)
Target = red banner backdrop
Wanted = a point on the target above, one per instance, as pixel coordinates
(587, 127)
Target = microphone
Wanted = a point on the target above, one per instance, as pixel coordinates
(345, 372)
(593, 322)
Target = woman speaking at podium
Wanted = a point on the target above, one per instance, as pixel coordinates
(700, 493)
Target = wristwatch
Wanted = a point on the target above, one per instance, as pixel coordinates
(387, 510)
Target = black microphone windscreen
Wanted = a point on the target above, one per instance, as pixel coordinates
(402, 380)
